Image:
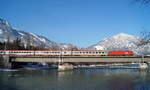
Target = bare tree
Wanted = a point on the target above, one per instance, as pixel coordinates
(55, 47)
(30, 42)
(142, 1)
(145, 38)
(144, 42)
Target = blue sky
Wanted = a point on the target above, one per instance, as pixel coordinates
(80, 22)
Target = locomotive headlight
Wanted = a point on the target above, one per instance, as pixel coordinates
(126, 53)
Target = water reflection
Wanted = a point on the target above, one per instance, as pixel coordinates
(78, 79)
(102, 79)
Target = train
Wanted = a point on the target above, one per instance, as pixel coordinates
(65, 53)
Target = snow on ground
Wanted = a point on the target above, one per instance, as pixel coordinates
(41, 39)
(1, 31)
(21, 33)
(99, 47)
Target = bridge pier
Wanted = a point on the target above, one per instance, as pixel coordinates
(5, 61)
(65, 66)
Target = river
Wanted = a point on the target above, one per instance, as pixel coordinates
(77, 79)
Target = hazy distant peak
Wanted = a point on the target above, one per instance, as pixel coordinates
(123, 35)
(121, 41)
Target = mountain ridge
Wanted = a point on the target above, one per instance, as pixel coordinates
(7, 32)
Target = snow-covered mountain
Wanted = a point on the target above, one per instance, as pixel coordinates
(121, 42)
(11, 34)
(117, 42)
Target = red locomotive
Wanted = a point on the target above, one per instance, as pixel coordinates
(120, 53)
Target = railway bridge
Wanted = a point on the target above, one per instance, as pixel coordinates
(77, 59)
